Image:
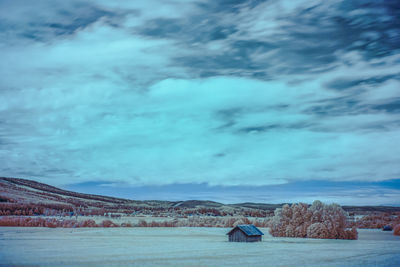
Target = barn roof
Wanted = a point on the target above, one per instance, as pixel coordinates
(248, 229)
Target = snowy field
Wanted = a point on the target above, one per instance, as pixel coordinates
(187, 247)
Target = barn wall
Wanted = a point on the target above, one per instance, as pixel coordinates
(253, 238)
(238, 236)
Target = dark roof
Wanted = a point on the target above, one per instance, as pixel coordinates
(247, 229)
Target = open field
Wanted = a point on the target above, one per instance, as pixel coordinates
(188, 247)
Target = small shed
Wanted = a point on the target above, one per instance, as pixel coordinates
(245, 233)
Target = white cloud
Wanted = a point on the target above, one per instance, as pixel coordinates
(105, 102)
(171, 135)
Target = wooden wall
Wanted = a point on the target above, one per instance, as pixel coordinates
(238, 236)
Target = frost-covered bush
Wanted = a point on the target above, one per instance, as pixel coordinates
(317, 230)
(142, 223)
(43, 222)
(195, 221)
(378, 220)
(88, 223)
(396, 230)
(317, 221)
(108, 223)
(243, 220)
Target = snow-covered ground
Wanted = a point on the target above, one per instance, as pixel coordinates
(188, 247)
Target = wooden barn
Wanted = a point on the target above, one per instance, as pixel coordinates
(245, 233)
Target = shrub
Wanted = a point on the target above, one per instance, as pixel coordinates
(88, 223)
(396, 230)
(51, 223)
(318, 221)
(108, 223)
(142, 223)
(317, 230)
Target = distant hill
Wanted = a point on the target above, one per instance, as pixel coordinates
(28, 190)
(17, 192)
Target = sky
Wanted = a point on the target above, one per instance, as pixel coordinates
(266, 101)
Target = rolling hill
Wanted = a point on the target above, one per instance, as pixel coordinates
(34, 197)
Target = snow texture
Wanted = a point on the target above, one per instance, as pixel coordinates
(188, 247)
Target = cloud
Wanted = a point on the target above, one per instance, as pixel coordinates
(171, 132)
(256, 93)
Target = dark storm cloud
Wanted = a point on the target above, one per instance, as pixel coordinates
(48, 21)
(390, 107)
(257, 129)
(308, 38)
(163, 28)
(348, 83)
(347, 105)
(351, 105)
(276, 127)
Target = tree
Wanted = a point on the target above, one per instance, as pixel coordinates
(317, 221)
(396, 230)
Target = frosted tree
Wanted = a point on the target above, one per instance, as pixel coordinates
(396, 230)
(317, 221)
